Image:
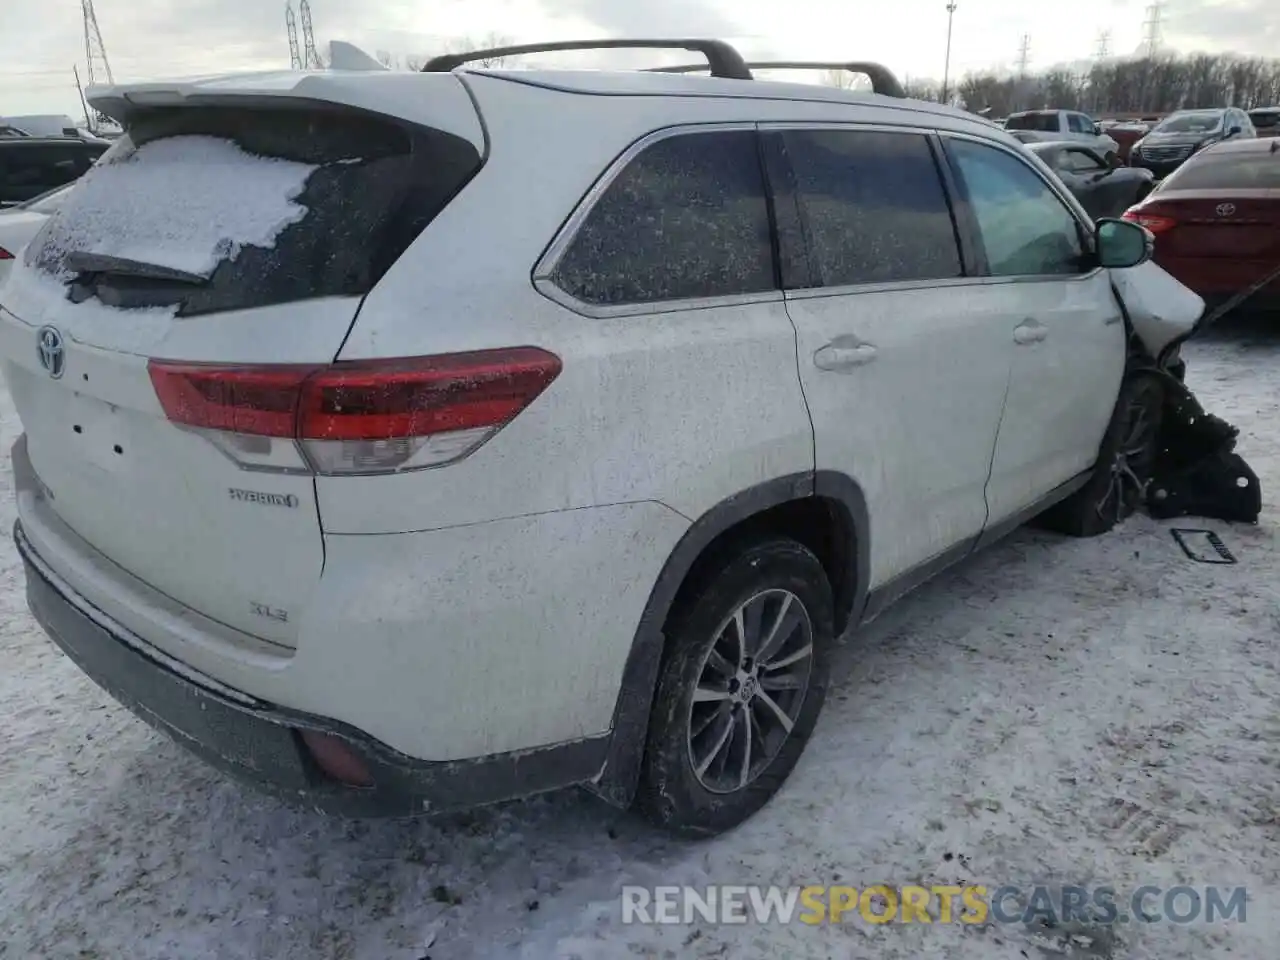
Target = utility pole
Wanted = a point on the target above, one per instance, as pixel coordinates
(291, 25)
(946, 66)
(310, 56)
(1103, 48)
(95, 54)
(88, 121)
(1153, 29)
(1024, 56)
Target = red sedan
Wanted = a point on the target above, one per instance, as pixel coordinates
(1217, 221)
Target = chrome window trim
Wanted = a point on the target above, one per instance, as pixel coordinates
(607, 311)
(568, 232)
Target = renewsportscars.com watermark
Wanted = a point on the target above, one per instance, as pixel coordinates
(884, 904)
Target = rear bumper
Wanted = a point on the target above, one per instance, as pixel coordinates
(260, 743)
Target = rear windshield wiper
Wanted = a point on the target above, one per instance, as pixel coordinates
(90, 263)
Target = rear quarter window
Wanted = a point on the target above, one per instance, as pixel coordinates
(256, 206)
(686, 219)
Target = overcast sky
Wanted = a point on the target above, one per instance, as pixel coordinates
(40, 40)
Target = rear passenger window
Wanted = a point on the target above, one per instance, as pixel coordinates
(686, 219)
(874, 206)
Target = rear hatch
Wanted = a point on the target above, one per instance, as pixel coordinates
(159, 327)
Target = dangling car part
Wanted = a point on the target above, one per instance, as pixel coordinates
(1196, 471)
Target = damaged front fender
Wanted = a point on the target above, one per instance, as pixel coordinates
(1161, 310)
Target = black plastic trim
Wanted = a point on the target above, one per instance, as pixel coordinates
(259, 743)
(883, 81)
(617, 782)
(1000, 530)
(886, 594)
(722, 59)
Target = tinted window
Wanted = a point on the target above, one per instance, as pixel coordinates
(367, 188)
(1078, 161)
(1265, 120)
(686, 219)
(1227, 170)
(1079, 124)
(1025, 228)
(28, 170)
(1044, 122)
(874, 206)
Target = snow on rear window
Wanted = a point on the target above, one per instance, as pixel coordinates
(185, 202)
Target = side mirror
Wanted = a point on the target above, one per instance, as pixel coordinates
(1120, 243)
(1234, 131)
(1097, 129)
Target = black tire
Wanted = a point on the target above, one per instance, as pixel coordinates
(701, 640)
(1125, 461)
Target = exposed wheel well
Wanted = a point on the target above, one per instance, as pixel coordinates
(822, 524)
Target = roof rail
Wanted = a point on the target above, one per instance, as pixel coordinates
(883, 80)
(722, 59)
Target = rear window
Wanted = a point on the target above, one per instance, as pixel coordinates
(1265, 119)
(1043, 122)
(1229, 170)
(215, 209)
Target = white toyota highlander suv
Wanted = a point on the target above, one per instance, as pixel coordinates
(410, 441)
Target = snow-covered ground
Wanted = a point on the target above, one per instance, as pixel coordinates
(1097, 712)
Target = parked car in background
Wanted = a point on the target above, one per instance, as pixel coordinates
(1102, 189)
(1046, 125)
(1217, 220)
(1126, 133)
(1171, 141)
(31, 166)
(21, 222)
(1266, 121)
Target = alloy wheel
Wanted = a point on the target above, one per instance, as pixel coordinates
(750, 690)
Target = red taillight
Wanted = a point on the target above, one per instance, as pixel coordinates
(5, 254)
(369, 416)
(1149, 220)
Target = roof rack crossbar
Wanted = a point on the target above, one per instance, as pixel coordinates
(722, 59)
(883, 80)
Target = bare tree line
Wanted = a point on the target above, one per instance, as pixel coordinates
(1143, 86)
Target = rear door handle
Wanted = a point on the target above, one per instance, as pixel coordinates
(844, 353)
(1029, 332)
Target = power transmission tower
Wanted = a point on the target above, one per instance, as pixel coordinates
(310, 56)
(1102, 49)
(1152, 28)
(1024, 55)
(291, 24)
(95, 51)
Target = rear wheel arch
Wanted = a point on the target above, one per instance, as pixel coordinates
(826, 511)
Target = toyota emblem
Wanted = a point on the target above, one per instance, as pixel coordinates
(1226, 209)
(53, 356)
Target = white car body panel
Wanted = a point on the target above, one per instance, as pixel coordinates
(1160, 308)
(1062, 389)
(921, 461)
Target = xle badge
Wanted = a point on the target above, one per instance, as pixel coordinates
(271, 613)
(265, 499)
